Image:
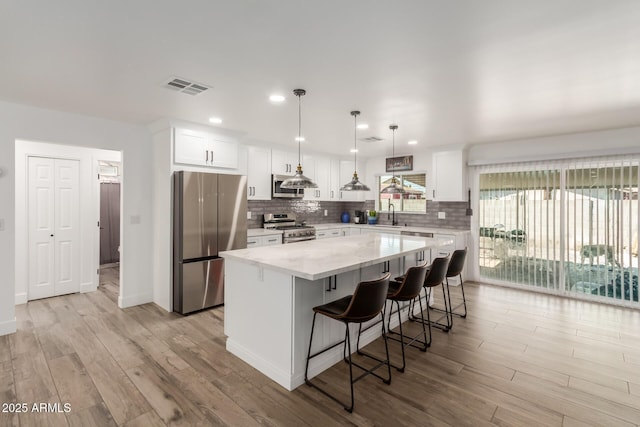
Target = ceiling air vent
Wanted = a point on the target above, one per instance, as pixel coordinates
(371, 139)
(186, 86)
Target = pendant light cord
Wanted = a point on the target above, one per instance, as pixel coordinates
(355, 147)
(393, 155)
(299, 125)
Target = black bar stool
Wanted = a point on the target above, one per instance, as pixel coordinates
(456, 265)
(407, 290)
(435, 277)
(365, 304)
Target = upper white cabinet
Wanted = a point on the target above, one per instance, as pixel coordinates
(284, 162)
(318, 168)
(334, 180)
(204, 149)
(258, 173)
(449, 176)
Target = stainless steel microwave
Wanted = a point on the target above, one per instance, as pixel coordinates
(285, 193)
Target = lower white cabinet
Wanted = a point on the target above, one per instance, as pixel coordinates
(329, 232)
(255, 241)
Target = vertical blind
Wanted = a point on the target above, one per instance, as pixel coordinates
(569, 227)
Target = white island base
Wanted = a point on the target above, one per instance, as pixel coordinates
(270, 293)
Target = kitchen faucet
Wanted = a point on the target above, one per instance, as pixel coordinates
(392, 208)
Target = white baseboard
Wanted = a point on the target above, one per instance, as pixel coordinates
(317, 365)
(8, 327)
(280, 376)
(21, 298)
(133, 300)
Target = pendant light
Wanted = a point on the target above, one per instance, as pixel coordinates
(394, 187)
(298, 181)
(355, 184)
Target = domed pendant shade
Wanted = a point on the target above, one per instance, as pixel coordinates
(394, 187)
(298, 181)
(355, 184)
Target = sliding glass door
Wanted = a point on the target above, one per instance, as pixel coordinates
(569, 227)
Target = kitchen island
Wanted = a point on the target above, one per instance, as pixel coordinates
(270, 292)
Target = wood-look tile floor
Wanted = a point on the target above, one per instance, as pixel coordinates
(518, 359)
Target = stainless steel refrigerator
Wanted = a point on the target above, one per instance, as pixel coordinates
(210, 216)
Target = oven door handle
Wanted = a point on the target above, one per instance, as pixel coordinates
(298, 239)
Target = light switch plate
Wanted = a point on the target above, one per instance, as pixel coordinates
(248, 214)
(442, 215)
(326, 212)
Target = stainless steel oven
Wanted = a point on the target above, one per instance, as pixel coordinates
(291, 232)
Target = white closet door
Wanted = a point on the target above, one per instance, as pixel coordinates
(67, 232)
(54, 236)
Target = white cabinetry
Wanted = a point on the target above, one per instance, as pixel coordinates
(258, 173)
(334, 180)
(283, 162)
(270, 240)
(449, 176)
(328, 232)
(204, 149)
(318, 169)
(379, 230)
(445, 250)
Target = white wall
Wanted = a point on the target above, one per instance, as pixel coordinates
(585, 144)
(21, 122)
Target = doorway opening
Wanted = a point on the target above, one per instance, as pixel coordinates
(109, 179)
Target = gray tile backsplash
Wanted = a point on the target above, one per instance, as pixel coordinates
(313, 213)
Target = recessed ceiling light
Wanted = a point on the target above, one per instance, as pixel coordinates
(276, 98)
(412, 142)
(215, 120)
(354, 150)
(363, 126)
(300, 138)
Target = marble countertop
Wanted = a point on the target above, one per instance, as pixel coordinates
(316, 259)
(452, 231)
(258, 232)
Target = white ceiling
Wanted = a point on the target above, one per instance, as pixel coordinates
(447, 72)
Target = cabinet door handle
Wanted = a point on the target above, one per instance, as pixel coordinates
(434, 194)
(207, 151)
(332, 194)
(272, 240)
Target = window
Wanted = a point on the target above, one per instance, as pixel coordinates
(569, 227)
(413, 200)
